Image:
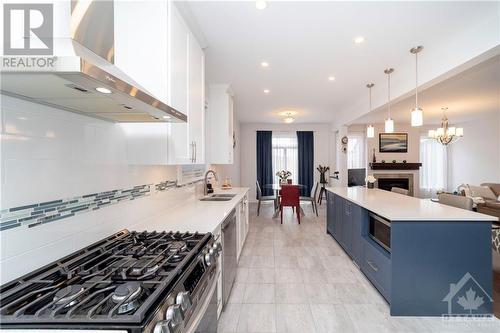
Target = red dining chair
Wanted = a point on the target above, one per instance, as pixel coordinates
(290, 197)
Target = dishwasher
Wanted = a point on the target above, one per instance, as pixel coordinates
(229, 262)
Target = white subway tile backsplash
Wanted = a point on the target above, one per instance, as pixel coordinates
(48, 154)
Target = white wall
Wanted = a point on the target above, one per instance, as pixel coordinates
(322, 142)
(413, 154)
(498, 140)
(49, 154)
(475, 158)
(341, 157)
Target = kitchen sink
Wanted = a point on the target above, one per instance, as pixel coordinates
(214, 199)
(218, 197)
(224, 195)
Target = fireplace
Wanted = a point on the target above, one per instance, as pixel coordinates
(386, 181)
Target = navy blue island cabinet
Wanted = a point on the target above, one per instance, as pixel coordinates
(428, 268)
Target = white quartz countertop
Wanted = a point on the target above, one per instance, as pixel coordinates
(397, 207)
(194, 215)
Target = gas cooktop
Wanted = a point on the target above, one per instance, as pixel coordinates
(121, 279)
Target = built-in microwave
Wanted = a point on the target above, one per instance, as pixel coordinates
(380, 231)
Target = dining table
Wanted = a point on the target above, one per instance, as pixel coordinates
(276, 187)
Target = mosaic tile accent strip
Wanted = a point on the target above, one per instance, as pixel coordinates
(165, 185)
(45, 212)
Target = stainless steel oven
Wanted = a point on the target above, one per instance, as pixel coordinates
(380, 231)
(206, 319)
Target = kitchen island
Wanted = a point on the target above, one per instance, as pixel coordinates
(425, 258)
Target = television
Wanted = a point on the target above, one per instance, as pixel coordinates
(356, 177)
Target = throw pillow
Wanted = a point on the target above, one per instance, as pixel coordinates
(482, 191)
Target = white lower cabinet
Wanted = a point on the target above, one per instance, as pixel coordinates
(242, 224)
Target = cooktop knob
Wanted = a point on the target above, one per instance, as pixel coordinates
(217, 246)
(174, 315)
(209, 259)
(162, 326)
(184, 300)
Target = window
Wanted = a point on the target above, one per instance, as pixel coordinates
(433, 175)
(285, 154)
(356, 151)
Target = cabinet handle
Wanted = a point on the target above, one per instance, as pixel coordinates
(372, 265)
(195, 152)
(192, 151)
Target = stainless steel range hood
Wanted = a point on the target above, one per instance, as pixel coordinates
(81, 77)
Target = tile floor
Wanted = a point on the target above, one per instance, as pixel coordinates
(296, 278)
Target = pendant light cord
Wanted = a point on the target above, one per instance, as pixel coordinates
(389, 94)
(370, 99)
(416, 80)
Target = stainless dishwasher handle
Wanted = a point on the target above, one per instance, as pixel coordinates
(375, 268)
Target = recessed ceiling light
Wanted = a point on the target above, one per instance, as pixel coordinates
(103, 90)
(166, 117)
(264, 64)
(287, 113)
(289, 119)
(331, 78)
(359, 40)
(260, 4)
(266, 91)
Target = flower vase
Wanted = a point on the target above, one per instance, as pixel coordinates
(322, 178)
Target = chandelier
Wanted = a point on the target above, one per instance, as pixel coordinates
(446, 134)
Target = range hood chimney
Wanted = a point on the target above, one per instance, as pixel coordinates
(81, 76)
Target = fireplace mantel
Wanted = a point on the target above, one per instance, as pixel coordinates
(395, 166)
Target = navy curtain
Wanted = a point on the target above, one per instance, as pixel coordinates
(265, 160)
(305, 140)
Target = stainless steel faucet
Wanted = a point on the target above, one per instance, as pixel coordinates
(205, 189)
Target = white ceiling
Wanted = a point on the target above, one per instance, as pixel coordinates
(305, 42)
(468, 95)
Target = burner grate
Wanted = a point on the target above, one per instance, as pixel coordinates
(80, 287)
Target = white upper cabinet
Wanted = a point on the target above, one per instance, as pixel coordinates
(141, 43)
(187, 94)
(179, 62)
(162, 55)
(197, 100)
(220, 105)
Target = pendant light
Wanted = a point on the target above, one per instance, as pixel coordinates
(370, 131)
(389, 123)
(417, 114)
